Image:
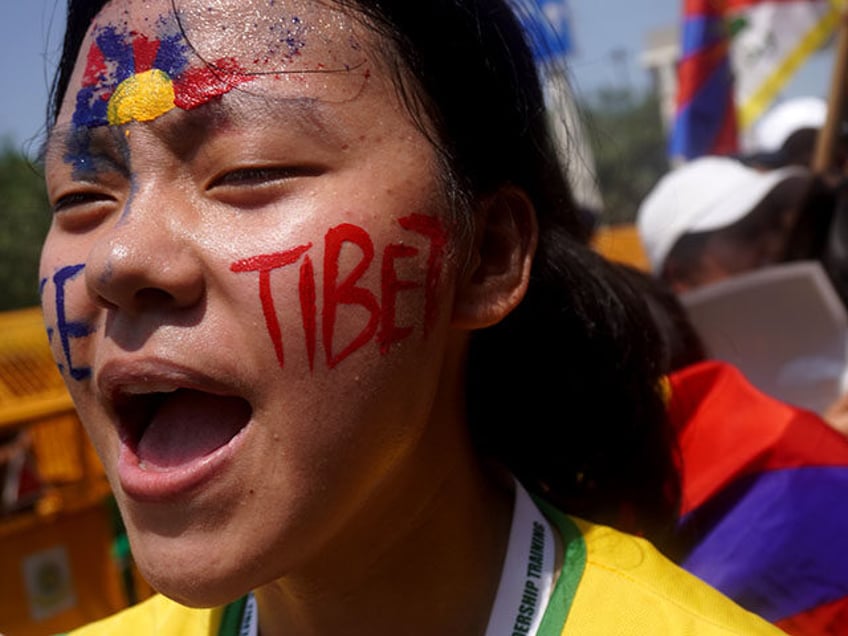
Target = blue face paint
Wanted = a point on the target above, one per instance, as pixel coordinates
(292, 34)
(79, 155)
(115, 56)
(69, 329)
(88, 161)
(100, 80)
(172, 56)
(117, 48)
(119, 55)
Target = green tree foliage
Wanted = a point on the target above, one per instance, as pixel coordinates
(629, 146)
(24, 219)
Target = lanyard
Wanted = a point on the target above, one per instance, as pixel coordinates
(250, 618)
(526, 580)
(528, 573)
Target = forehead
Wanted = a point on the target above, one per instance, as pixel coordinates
(142, 58)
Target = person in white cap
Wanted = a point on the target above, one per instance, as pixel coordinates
(714, 217)
(786, 134)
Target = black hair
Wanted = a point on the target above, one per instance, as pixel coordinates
(681, 346)
(683, 264)
(564, 391)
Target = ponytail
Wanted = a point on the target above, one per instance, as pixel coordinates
(566, 393)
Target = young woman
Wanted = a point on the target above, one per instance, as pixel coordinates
(314, 285)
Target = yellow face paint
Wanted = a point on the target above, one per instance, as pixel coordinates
(142, 97)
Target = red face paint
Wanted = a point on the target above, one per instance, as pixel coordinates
(95, 67)
(308, 309)
(119, 63)
(144, 51)
(340, 292)
(432, 228)
(390, 333)
(265, 264)
(198, 85)
(346, 292)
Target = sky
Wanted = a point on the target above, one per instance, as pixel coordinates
(27, 55)
(609, 37)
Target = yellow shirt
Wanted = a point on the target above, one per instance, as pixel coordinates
(627, 588)
(612, 584)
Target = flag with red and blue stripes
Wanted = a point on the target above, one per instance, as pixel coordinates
(705, 118)
(765, 500)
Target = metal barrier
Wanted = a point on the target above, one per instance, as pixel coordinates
(61, 551)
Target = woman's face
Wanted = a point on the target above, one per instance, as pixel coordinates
(246, 284)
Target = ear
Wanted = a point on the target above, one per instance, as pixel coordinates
(498, 271)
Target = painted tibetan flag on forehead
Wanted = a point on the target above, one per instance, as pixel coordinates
(771, 41)
(705, 119)
(765, 500)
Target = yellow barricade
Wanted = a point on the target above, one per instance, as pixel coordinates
(58, 557)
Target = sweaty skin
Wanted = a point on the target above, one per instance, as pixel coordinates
(234, 469)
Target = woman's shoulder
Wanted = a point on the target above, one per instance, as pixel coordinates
(159, 615)
(617, 583)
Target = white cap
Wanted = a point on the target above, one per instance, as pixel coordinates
(705, 194)
(776, 126)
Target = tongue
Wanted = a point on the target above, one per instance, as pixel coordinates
(189, 425)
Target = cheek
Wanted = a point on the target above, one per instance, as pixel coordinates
(324, 299)
(69, 315)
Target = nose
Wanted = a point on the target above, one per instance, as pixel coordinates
(147, 260)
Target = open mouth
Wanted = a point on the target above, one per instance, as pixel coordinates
(174, 427)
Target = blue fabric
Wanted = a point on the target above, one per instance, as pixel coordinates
(774, 542)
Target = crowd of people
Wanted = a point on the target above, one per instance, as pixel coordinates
(325, 303)
(763, 470)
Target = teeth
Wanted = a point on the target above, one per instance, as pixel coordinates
(145, 389)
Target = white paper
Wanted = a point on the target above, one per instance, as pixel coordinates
(783, 326)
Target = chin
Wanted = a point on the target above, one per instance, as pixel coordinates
(196, 587)
(193, 573)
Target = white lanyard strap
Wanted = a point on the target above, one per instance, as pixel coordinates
(250, 618)
(528, 573)
(526, 580)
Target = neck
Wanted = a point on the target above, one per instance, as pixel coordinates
(423, 557)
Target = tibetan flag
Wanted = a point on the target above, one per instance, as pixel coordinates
(765, 500)
(705, 119)
(771, 40)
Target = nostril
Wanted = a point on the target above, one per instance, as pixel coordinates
(152, 297)
(103, 302)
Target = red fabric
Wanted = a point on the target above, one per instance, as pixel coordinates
(705, 120)
(693, 72)
(741, 5)
(729, 430)
(830, 620)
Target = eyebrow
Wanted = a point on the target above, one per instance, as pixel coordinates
(88, 149)
(185, 133)
(244, 109)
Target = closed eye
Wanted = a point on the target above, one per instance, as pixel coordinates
(261, 175)
(258, 186)
(74, 200)
(81, 211)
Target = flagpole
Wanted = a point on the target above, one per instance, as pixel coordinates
(826, 142)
